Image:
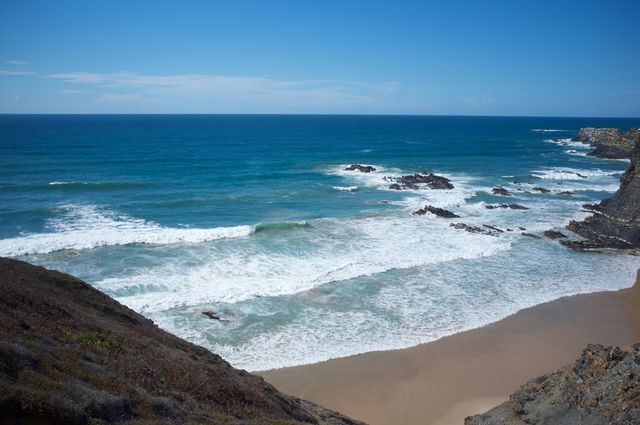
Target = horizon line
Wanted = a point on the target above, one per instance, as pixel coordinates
(300, 114)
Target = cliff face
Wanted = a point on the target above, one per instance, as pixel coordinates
(609, 142)
(602, 387)
(69, 354)
(615, 222)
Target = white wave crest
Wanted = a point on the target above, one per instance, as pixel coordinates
(88, 226)
(565, 173)
(345, 188)
(547, 130)
(341, 250)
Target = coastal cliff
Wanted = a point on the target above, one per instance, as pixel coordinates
(601, 387)
(615, 222)
(609, 142)
(69, 354)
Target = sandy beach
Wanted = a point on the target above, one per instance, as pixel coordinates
(442, 382)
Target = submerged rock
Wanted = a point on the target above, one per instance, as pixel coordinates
(361, 168)
(566, 193)
(413, 182)
(485, 230)
(601, 387)
(435, 211)
(69, 354)
(615, 222)
(541, 189)
(530, 235)
(500, 191)
(506, 206)
(211, 315)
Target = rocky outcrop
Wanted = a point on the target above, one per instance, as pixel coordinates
(500, 191)
(361, 168)
(615, 222)
(554, 234)
(609, 142)
(541, 189)
(69, 354)
(442, 213)
(419, 181)
(601, 387)
(484, 230)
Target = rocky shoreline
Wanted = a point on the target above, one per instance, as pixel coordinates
(603, 386)
(610, 143)
(615, 222)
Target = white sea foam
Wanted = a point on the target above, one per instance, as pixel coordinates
(65, 183)
(332, 250)
(567, 173)
(345, 188)
(410, 308)
(372, 179)
(570, 143)
(547, 130)
(87, 226)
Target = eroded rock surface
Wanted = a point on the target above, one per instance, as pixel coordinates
(609, 142)
(601, 387)
(615, 222)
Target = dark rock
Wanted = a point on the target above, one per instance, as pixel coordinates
(530, 235)
(475, 229)
(591, 207)
(509, 206)
(211, 314)
(581, 246)
(500, 191)
(541, 190)
(609, 142)
(610, 152)
(495, 229)
(361, 168)
(85, 358)
(412, 182)
(554, 234)
(566, 193)
(601, 387)
(615, 222)
(435, 211)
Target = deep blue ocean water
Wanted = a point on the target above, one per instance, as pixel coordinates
(255, 218)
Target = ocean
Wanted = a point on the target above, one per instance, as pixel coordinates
(255, 218)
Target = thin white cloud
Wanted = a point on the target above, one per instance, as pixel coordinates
(9, 73)
(72, 91)
(124, 86)
(15, 62)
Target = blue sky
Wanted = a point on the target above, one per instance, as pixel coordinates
(549, 58)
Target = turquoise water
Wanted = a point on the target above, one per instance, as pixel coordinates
(254, 217)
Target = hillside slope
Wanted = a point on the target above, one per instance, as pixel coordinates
(69, 354)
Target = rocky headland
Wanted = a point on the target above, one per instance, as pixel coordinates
(615, 222)
(601, 387)
(609, 142)
(69, 354)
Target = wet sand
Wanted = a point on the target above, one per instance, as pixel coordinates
(442, 382)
